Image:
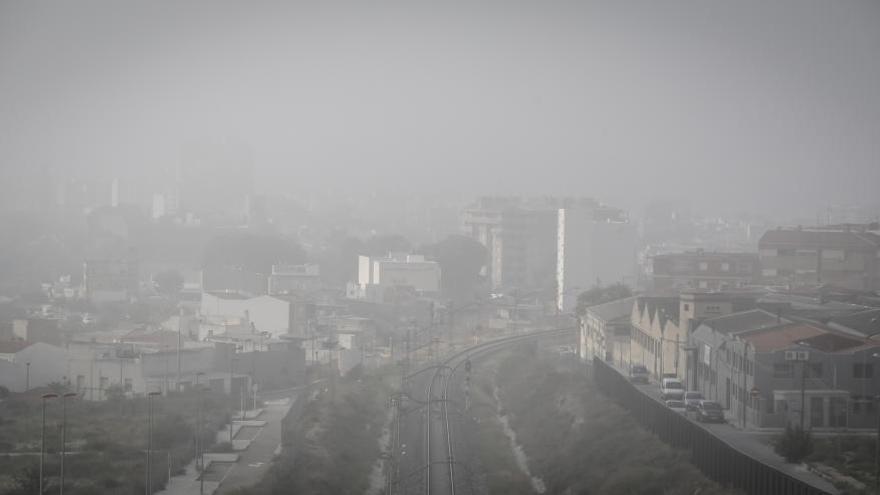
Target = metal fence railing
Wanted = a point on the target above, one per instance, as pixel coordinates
(717, 459)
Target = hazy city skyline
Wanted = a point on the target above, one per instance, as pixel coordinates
(738, 106)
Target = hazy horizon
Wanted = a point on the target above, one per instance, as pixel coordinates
(735, 106)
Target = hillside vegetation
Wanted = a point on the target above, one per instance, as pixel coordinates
(581, 443)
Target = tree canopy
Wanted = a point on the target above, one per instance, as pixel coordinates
(461, 259)
(168, 282)
(253, 252)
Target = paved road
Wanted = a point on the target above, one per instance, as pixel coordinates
(254, 462)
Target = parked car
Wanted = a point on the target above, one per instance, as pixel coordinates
(638, 374)
(692, 398)
(677, 406)
(709, 411)
(671, 388)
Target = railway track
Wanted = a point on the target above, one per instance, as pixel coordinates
(439, 446)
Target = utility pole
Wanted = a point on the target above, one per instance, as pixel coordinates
(149, 484)
(231, 372)
(179, 341)
(451, 325)
(43, 437)
(744, 373)
(406, 362)
(877, 455)
(803, 390)
(64, 434)
(802, 357)
(27, 377)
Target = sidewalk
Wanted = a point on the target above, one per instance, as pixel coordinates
(189, 484)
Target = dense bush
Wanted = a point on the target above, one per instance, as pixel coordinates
(581, 442)
(795, 444)
(334, 439)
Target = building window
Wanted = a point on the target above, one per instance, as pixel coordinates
(128, 384)
(782, 370)
(687, 307)
(815, 370)
(837, 412)
(817, 411)
(725, 267)
(704, 266)
(863, 370)
(768, 272)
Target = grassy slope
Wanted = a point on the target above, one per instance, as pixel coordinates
(579, 442)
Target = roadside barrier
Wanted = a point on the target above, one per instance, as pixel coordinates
(716, 458)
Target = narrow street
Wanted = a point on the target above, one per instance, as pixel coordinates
(253, 463)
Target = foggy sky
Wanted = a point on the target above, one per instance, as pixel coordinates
(739, 105)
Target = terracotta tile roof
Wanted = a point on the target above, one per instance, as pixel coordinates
(754, 319)
(784, 336)
(780, 337)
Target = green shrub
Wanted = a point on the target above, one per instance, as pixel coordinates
(795, 444)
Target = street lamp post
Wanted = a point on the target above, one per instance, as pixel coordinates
(149, 485)
(198, 427)
(200, 451)
(27, 376)
(877, 454)
(43, 436)
(232, 361)
(64, 398)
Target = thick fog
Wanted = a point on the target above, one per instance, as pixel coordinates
(743, 104)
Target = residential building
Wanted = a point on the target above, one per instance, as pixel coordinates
(234, 279)
(662, 327)
(277, 315)
(287, 279)
(769, 371)
(845, 256)
(376, 276)
(596, 245)
(520, 237)
(141, 365)
(34, 330)
(110, 280)
(704, 270)
(605, 332)
(657, 336)
(23, 364)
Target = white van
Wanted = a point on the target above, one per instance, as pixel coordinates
(671, 388)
